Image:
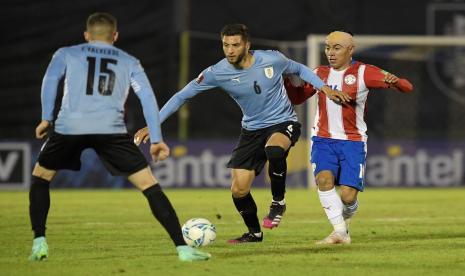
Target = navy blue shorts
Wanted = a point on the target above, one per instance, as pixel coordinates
(344, 158)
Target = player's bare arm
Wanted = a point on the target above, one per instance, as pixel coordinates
(378, 78)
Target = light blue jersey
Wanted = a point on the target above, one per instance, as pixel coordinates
(97, 80)
(258, 90)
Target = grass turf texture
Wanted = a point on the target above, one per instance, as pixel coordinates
(103, 232)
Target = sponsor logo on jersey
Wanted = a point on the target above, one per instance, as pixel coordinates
(350, 79)
(269, 72)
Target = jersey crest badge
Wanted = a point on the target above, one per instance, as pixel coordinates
(350, 79)
(269, 72)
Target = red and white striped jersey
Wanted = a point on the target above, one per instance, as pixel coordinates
(344, 121)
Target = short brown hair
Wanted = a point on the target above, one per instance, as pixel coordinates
(236, 29)
(101, 24)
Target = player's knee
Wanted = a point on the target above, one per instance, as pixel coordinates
(324, 183)
(275, 153)
(143, 179)
(241, 182)
(239, 190)
(348, 198)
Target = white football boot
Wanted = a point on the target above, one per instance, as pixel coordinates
(336, 238)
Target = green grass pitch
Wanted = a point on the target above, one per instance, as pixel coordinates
(106, 232)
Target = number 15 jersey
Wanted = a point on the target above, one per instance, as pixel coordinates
(97, 80)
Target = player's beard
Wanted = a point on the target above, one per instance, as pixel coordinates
(239, 59)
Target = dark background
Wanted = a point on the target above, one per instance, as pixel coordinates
(32, 30)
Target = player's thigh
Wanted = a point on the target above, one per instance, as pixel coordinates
(323, 157)
(61, 152)
(280, 140)
(284, 135)
(119, 154)
(353, 164)
(241, 181)
(249, 153)
(43, 173)
(143, 179)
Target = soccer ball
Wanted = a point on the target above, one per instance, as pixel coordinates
(198, 232)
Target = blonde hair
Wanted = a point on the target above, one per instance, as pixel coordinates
(101, 25)
(340, 37)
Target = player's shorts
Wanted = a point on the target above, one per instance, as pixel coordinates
(249, 152)
(118, 152)
(344, 158)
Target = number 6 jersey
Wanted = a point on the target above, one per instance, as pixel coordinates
(258, 90)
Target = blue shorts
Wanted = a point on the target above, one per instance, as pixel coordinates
(345, 159)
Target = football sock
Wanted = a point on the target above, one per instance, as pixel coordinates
(39, 204)
(164, 212)
(332, 204)
(277, 170)
(350, 210)
(248, 210)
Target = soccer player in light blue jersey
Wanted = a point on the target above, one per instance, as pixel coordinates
(269, 124)
(97, 78)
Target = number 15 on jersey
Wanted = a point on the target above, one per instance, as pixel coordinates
(106, 76)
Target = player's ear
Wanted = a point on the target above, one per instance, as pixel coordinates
(115, 36)
(87, 36)
(352, 49)
(247, 45)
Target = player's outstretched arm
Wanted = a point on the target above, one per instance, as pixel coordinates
(202, 83)
(206, 80)
(402, 85)
(173, 104)
(307, 75)
(378, 78)
(298, 94)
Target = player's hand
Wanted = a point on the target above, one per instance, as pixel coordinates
(337, 96)
(142, 135)
(391, 79)
(159, 151)
(42, 129)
